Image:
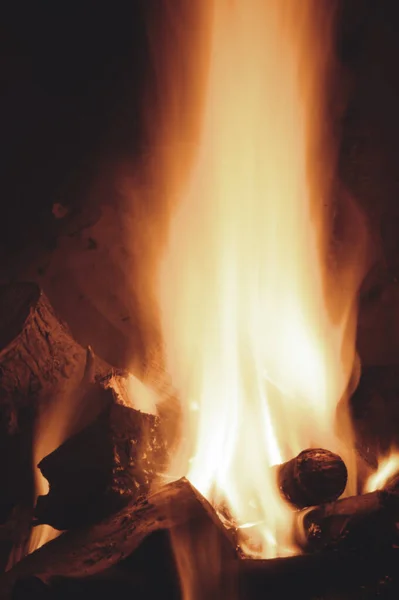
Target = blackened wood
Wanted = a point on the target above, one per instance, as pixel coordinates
(91, 550)
(111, 462)
(41, 367)
(313, 477)
(350, 522)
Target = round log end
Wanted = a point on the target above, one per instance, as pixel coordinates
(313, 477)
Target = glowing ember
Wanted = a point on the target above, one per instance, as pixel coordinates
(386, 469)
(258, 329)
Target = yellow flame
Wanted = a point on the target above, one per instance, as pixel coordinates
(386, 469)
(258, 330)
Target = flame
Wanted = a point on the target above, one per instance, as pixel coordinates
(258, 324)
(387, 468)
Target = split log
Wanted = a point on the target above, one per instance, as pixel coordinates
(350, 522)
(110, 463)
(37, 350)
(91, 550)
(41, 368)
(313, 477)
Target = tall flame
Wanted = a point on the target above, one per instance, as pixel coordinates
(258, 327)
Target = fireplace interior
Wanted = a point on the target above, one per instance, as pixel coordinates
(89, 416)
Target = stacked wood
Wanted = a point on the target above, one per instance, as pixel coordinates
(91, 550)
(367, 574)
(109, 463)
(39, 359)
(78, 561)
(313, 477)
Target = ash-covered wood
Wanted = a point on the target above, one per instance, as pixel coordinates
(313, 477)
(111, 462)
(350, 522)
(91, 550)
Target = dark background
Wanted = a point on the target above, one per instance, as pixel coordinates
(72, 75)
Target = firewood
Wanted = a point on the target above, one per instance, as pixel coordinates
(350, 522)
(109, 463)
(37, 350)
(91, 550)
(368, 574)
(313, 477)
(42, 369)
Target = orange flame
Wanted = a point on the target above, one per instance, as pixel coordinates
(258, 326)
(386, 469)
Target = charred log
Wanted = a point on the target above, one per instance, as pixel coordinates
(350, 523)
(111, 462)
(91, 550)
(313, 477)
(368, 574)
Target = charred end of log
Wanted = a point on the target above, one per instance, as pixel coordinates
(313, 477)
(111, 462)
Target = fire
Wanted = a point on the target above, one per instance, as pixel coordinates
(258, 325)
(386, 469)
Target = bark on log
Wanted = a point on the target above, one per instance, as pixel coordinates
(41, 369)
(313, 477)
(350, 522)
(90, 550)
(111, 462)
(37, 351)
(368, 574)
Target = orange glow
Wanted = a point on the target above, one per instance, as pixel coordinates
(386, 469)
(258, 325)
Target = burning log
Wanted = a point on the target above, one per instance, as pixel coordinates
(351, 522)
(91, 550)
(111, 462)
(39, 363)
(368, 574)
(313, 477)
(37, 351)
